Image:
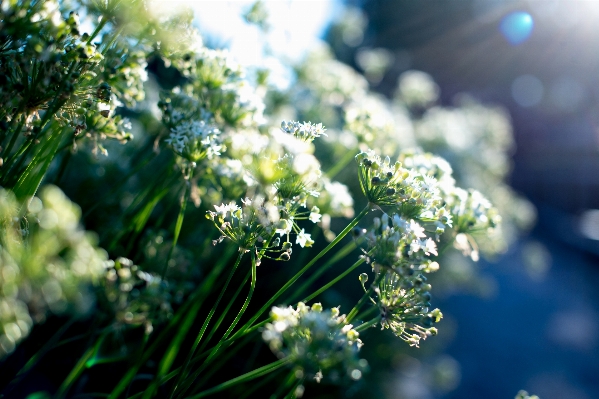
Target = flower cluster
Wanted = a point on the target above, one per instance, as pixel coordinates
(471, 211)
(400, 245)
(195, 140)
(303, 131)
(47, 263)
(404, 303)
(524, 395)
(245, 226)
(136, 297)
(417, 90)
(319, 342)
(383, 184)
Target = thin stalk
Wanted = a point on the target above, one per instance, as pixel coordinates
(225, 312)
(233, 324)
(178, 225)
(77, 370)
(366, 313)
(117, 187)
(341, 164)
(15, 135)
(177, 370)
(205, 325)
(250, 391)
(364, 298)
(196, 298)
(293, 279)
(285, 385)
(259, 372)
(368, 324)
(63, 166)
(247, 301)
(342, 253)
(247, 326)
(50, 344)
(334, 281)
(291, 394)
(222, 360)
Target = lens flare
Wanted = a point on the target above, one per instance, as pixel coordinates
(517, 27)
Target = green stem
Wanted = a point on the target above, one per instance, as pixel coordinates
(197, 299)
(291, 394)
(341, 164)
(259, 372)
(366, 313)
(247, 301)
(364, 298)
(254, 387)
(223, 359)
(293, 279)
(14, 137)
(232, 326)
(342, 253)
(50, 344)
(368, 324)
(178, 226)
(63, 166)
(78, 369)
(205, 325)
(225, 312)
(118, 186)
(334, 281)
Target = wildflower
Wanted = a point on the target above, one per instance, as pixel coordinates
(400, 245)
(244, 226)
(315, 215)
(303, 131)
(136, 297)
(320, 343)
(471, 211)
(303, 239)
(524, 395)
(195, 140)
(404, 306)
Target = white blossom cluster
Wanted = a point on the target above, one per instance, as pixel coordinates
(303, 131)
(319, 342)
(195, 140)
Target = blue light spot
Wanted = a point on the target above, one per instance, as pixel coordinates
(517, 27)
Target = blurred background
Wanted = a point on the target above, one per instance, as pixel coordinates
(529, 318)
(538, 327)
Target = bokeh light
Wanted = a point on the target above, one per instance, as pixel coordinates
(517, 27)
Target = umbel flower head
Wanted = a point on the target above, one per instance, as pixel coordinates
(195, 140)
(319, 341)
(384, 184)
(404, 305)
(136, 297)
(401, 245)
(303, 131)
(471, 211)
(246, 225)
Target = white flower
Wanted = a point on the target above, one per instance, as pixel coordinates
(284, 227)
(224, 208)
(315, 215)
(429, 247)
(303, 239)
